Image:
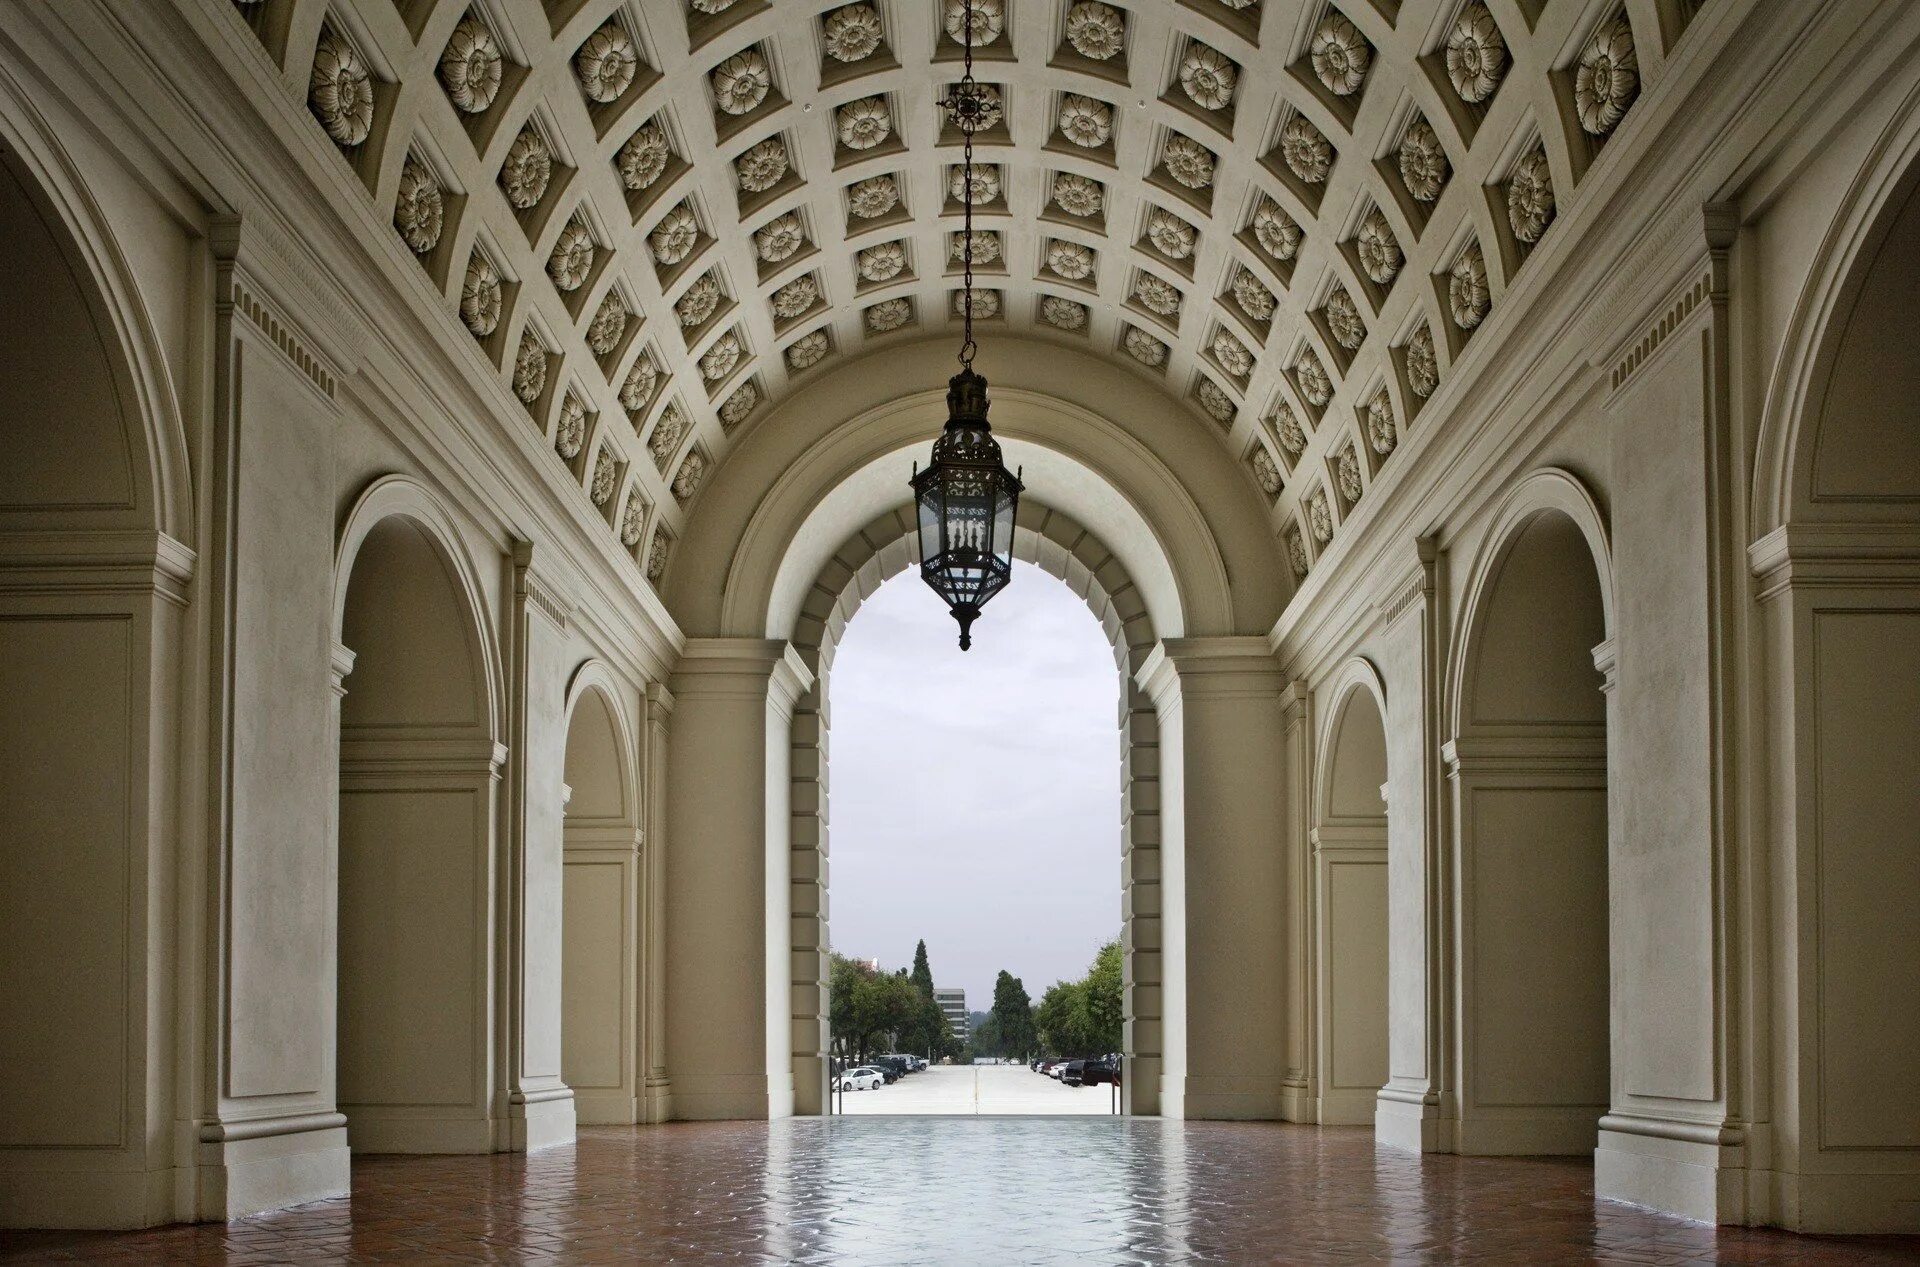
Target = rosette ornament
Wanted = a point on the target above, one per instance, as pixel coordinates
(1476, 54)
(673, 239)
(1079, 195)
(761, 166)
(851, 33)
(888, 314)
(1379, 252)
(1423, 161)
(471, 67)
(1340, 54)
(643, 159)
(1423, 366)
(873, 197)
(527, 170)
(572, 256)
(1208, 76)
(480, 296)
(807, 351)
(1530, 197)
(741, 82)
(607, 63)
(1468, 298)
(1607, 78)
(863, 124)
(340, 89)
(1188, 161)
(418, 209)
(1308, 154)
(1084, 121)
(974, 22)
(1096, 31)
(1217, 403)
(1144, 348)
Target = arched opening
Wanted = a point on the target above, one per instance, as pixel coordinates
(91, 601)
(1840, 610)
(600, 955)
(1349, 840)
(418, 771)
(1528, 767)
(975, 813)
(1058, 545)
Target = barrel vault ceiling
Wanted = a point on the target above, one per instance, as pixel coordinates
(660, 217)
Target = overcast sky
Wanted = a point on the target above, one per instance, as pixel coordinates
(975, 797)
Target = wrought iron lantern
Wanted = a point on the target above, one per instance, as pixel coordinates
(966, 498)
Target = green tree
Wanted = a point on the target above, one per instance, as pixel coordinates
(1058, 1019)
(922, 970)
(1014, 1013)
(1102, 997)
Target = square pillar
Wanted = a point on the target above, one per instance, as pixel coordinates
(728, 971)
(1223, 820)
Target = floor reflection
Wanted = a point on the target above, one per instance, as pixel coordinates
(877, 1190)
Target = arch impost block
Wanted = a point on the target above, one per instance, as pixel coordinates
(1574, 749)
(1226, 666)
(742, 666)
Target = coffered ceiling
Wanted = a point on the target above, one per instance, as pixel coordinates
(659, 217)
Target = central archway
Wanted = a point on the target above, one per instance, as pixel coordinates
(1058, 544)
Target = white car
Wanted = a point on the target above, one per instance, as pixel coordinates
(862, 1079)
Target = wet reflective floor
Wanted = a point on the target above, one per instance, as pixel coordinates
(858, 1191)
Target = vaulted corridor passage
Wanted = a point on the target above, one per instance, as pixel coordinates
(887, 1191)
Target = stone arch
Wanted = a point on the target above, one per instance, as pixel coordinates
(402, 497)
(601, 916)
(1800, 402)
(95, 576)
(420, 765)
(1058, 544)
(1349, 868)
(1526, 762)
(90, 332)
(1836, 564)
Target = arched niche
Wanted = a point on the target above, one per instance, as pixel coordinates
(601, 931)
(1350, 918)
(1058, 544)
(1527, 766)
(419, 768)
(94, 582)
(1836, 566)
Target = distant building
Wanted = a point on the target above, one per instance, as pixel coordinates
(953, 1003)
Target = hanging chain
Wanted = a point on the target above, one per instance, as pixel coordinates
(967, 114)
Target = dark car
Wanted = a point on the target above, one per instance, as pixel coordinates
(895, 1067)
(1070, 1076)
(1097, 1072)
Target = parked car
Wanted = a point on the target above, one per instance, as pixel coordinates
(897, 1066)
(1097, 1072)
(1071, 1071)
(861, 1079)
(1052, 1068)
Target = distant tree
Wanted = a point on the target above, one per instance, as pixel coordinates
(1014, 1013)
(1103, 1001)
(922, 970)
(1060, 1019)
(986, 1037)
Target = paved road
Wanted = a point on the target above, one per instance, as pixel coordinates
(984, 1090)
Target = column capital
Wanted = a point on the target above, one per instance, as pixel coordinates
(1223, 666)
(718, 667)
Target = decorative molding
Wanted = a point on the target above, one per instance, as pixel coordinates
(1662, 328)
(281, 335)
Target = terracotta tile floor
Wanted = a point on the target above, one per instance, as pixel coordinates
(858, 1191)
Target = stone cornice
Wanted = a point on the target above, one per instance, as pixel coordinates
(742, 668)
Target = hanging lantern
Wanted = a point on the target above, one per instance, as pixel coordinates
(966, 498)
(966, 503)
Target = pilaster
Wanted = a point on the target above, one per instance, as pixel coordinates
(1225, 887)
(656, 733)
(728, 947)
(1301, 1083)
(536, 1104)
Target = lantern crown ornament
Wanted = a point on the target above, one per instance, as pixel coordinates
(966, 499)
